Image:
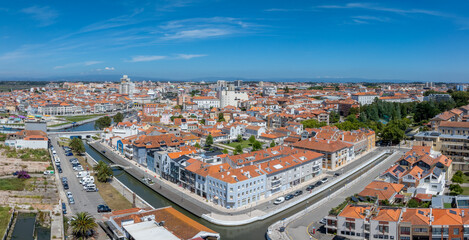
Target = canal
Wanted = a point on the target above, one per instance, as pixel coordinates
(253, 231)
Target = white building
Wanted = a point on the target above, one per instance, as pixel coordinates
(364, 98)
(206, 102)
(34, 139)
(126, 86)
(231, 98)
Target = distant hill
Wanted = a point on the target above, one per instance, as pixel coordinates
(116, 78)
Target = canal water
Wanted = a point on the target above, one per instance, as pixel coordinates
(26, 228)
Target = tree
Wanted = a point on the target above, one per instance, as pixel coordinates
(103, 171)
(225, 151)
(460, 98)
(119, 117)
(77, 145)
(239, 138)
(286, 89)
(197, 145)
(256, 146)
(209, 140)
(413, 203)
(177, 107)
(238, 149)
(458, 177)
(221, 117)
(313, 123)
(202, 121)
(272, 144)
(456, 189)
(334, 117)
(252, 139)
(103, 122)
(83, 225)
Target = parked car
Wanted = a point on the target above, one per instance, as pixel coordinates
(298, 193)
(59, 168)
(64, 208)
(69, 154)
(336, 174)
(279, 200)
(47, 172)
(310, 187)
(103, 208)
(318, 183)
(91, 189)
(66, 186)
(324, 180)
(64, 179)
(289, 196)
(322, 221)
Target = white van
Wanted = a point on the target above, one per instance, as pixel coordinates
(83, 174)
(87, 180)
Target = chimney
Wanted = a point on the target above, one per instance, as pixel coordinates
(462, 213)
(310, 139)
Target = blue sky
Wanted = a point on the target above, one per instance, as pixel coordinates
(183, 39)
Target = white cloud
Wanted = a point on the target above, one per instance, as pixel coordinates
(44, 15)
(146, 58)
(106, 69)
(197, 33)
(383, 9)
(190, 56)
(89, 63)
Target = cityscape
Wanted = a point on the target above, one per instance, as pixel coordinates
(208, 120)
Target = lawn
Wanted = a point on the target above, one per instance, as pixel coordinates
(244, 144)
(4, 219)
(79, 117)
(466, 191)
(112, 197)
(465, 178)
(447, 205)
(12, 184)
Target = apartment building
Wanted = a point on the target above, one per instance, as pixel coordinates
(206, 102)
(34, 139)
(145, 146)
(365, 98)
(372, 222)
(336, 153)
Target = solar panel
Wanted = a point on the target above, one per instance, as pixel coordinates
(421, 212)
(453, 212)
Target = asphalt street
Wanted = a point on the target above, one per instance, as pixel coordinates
(299, 228)
(84, 201)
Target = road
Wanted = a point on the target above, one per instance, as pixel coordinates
(84, 201)
(299, 228)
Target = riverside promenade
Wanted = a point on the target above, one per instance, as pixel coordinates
(217, 214)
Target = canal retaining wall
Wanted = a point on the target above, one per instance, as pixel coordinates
(132, 197)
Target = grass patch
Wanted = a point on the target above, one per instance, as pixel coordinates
(244, 144)
(112, 197)
(79, 117)
(4, 219)
(12, 184)
(465, 191)
(447, 205)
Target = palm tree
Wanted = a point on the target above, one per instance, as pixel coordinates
(103, 171)
(83, 225)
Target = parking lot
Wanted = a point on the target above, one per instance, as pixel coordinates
(84, 201)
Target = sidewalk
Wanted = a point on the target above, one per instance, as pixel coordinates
(207, 210)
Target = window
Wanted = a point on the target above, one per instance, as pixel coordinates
(350, 225)
(455, 231)
(383, 229)
(420, 230)
(405, 230)
(405, 238)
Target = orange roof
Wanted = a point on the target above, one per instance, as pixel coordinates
(390, 215)
(416, 216)
(354, 211)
